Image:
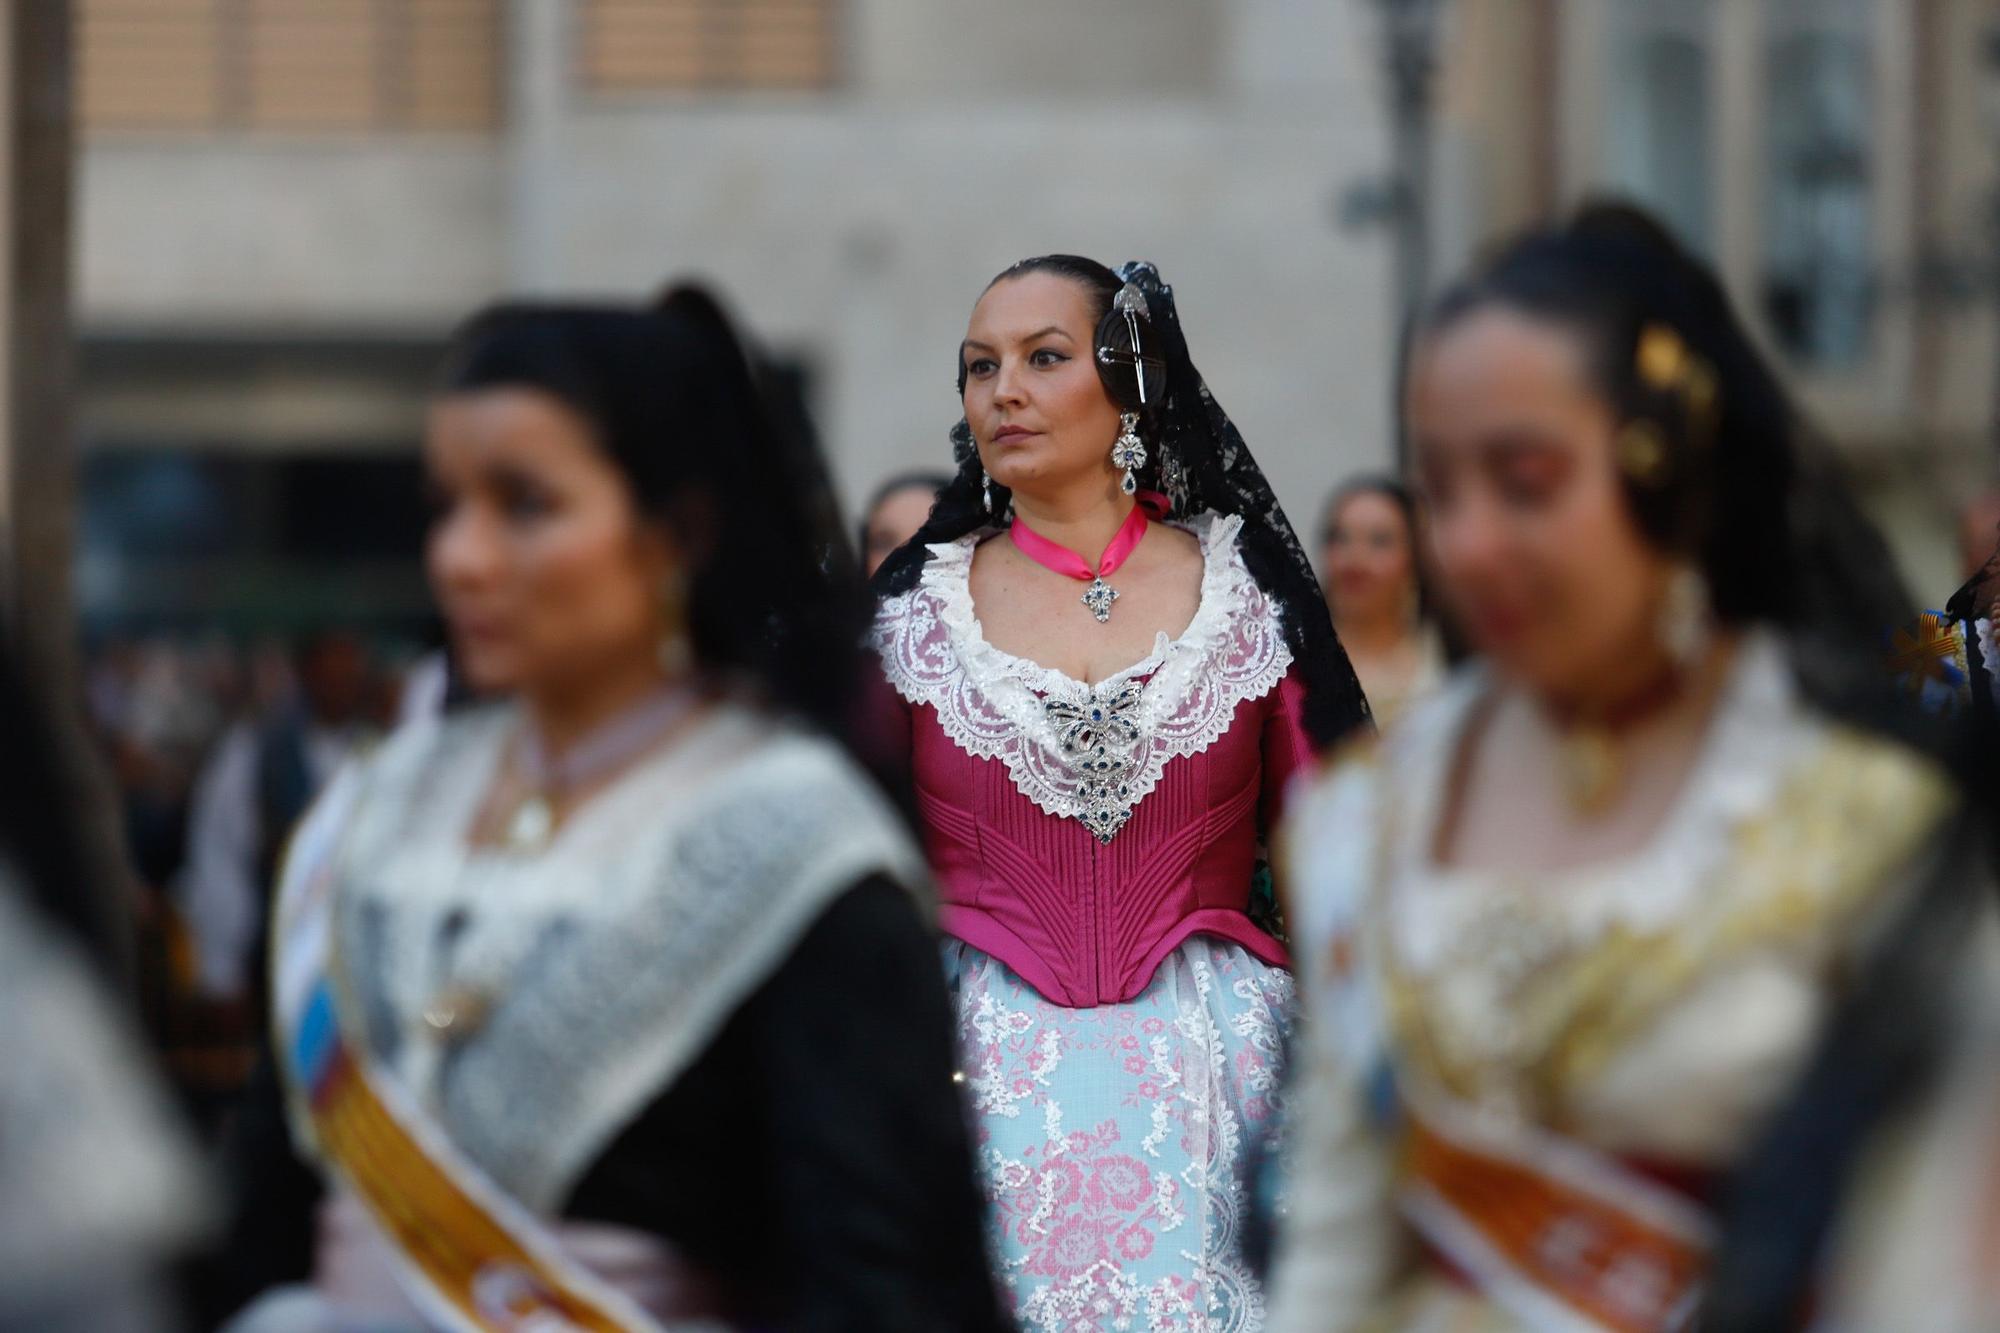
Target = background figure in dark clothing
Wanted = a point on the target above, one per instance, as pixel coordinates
(264, 773)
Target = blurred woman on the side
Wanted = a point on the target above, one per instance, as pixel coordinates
(1568, 936)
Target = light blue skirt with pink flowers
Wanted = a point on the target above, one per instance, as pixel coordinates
(1119, 1145)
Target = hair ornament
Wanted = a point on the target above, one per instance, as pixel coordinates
(1130, 304)
(1642, 452)
(1667, 365)
(1663, 357)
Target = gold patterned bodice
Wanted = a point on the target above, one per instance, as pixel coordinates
(1530, 1004)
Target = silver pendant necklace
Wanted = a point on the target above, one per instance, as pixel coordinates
(1098, 597)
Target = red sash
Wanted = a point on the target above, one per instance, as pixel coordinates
(1561, 1236)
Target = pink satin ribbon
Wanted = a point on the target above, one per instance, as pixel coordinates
(1065, 561)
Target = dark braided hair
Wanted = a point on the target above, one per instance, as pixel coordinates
(1194, 454)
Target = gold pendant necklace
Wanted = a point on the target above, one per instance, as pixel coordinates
(1592, 769)
(1591, 750)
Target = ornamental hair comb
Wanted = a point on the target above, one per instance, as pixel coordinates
(1131, 304)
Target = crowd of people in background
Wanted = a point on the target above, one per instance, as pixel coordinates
(215, 750)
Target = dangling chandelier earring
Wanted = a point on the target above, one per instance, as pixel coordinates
(1129, 452)
(1685, 621)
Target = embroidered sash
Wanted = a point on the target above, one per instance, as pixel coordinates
(1561, 1236)
(473, 1259)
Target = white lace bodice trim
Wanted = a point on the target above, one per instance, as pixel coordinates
(1057, 735)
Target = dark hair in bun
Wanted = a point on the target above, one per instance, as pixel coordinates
(1733, 477)
(711, 448)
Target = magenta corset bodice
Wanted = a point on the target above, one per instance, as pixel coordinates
(1081, 834)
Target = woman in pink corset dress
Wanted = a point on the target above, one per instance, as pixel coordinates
(1107, 657)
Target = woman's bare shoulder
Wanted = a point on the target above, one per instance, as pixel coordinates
(1176, 547)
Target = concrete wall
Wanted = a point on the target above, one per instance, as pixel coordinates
(975, 51)
(249, 232)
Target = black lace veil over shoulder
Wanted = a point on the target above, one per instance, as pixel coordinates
(1199, 460)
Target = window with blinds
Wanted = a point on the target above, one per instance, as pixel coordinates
(300, 65)
(642, 46)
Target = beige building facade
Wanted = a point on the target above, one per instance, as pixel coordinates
(1836, 159)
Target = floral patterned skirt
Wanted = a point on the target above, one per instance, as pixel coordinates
(1117, 1145)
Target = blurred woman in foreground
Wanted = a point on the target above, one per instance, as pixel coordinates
(610, 1005)
(1568, 936)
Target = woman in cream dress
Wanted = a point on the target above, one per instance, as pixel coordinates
(1567, 937)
